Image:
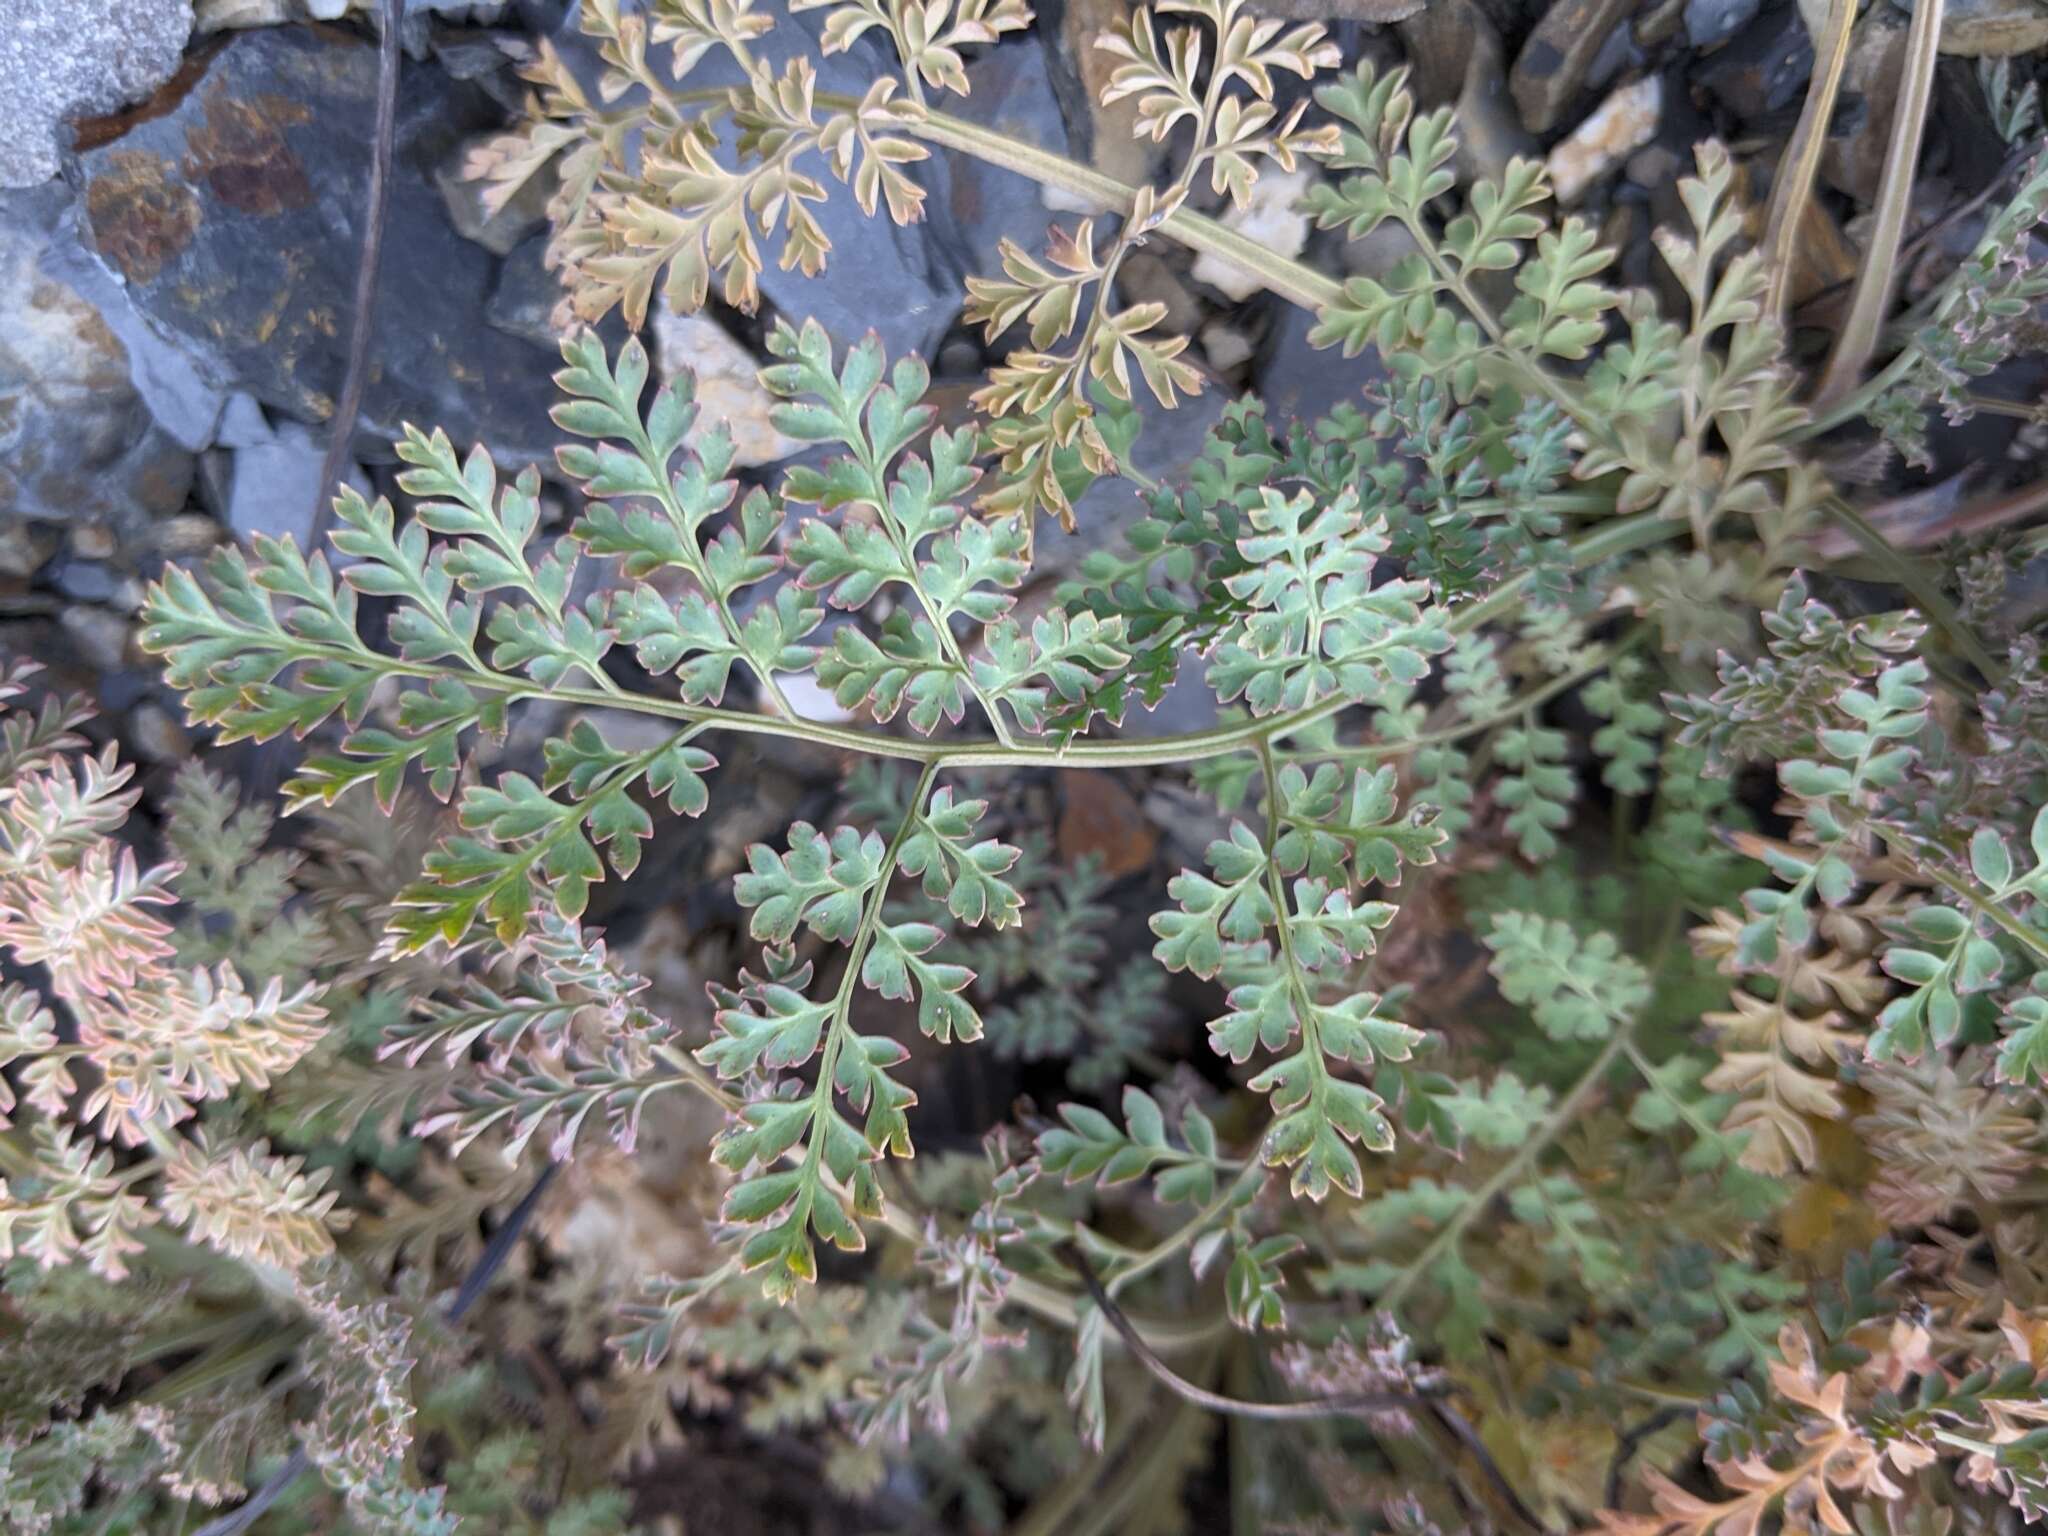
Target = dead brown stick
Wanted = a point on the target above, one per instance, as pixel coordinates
(342, 431)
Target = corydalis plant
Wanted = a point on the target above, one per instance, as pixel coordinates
(135, 1208)
(1386, 605)
(143, 1042)
(482, 622)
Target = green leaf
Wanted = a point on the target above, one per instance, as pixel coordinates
(818, 883)
(1253, 1284)
(1234, 907)
(904, 664)
(1332, 825)
(1577, 989)
(897, 967)
(1314, 626)
(965, 875)
(1990, 859)
(1502, 1117)
(2023, 1053)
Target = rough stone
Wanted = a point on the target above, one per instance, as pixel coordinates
(1437, 43)
(1490, 133)
(24, 547)
(1764, 68)
(61, 60)
(99, 637)
(1618, 54)
(242, 423)
(77, 441)
(1551, 68)
(1099, 816)
(1303, 383)
(1189, 704)
(1619, 126)
(85, 581)
(1148, 278)
(1270, 217)
(227, 15)
(522, 303)
(1976, 29)
(174, 387)
(156, 737)
(1225, 346)
(1378, 252)
(1709, 23)
(275, 483)
(812, 701)
(728, 388)
(234, 212)
(187, 535)
(973, 205)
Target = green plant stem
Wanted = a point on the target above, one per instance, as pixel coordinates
(1859, 400)
(1184, 1236)
(1934, 871)
(1932, 600)
(1373, 751)
(1554, 1123)
(842, 1002)
(1618, 537)
(1648, 1072)
(1290, 279)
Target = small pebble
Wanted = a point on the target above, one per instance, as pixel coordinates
(1619, 126)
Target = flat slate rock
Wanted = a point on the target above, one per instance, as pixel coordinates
(233, 206)
(61, 60)
(78, 442)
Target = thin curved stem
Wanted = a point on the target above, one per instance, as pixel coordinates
(1292, 280)
(1619, 537)
(1533, 1147)
(1347, 1405)
(1932, 600)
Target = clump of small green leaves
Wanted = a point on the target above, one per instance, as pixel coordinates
(1440, 627)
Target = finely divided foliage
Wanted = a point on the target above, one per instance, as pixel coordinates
(1398, 611)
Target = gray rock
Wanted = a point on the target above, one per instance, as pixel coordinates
(235, 217)
(274, 484)
(156, 737)
(525, 295)
(86, 581)
(1303, 383)
(242, 423)
(1709, 22)
(1764, 68)
(65, 59)
(1189, 704)
(176, 389)
(98, 637)
(416, 15)
(974, 206)
(1551, 69)
(78, 444)
(1618, 53)
(25, 546)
